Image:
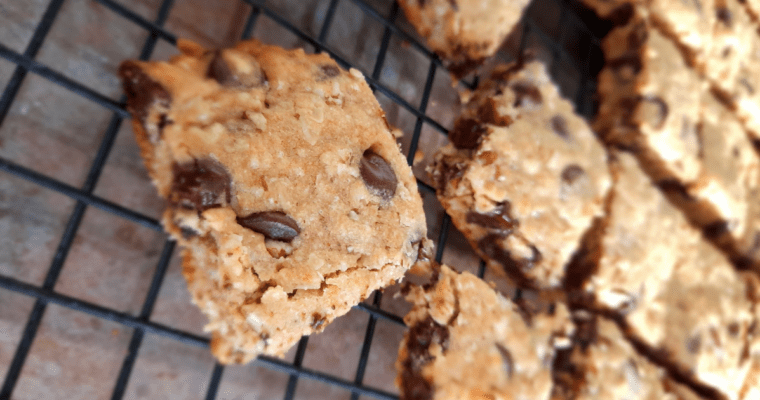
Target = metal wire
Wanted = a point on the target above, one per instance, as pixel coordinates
(141, 323)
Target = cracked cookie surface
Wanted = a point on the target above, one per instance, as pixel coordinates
(466, 341)
(524, 176)
(284, 184)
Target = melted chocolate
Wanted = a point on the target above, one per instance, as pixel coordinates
(466, 133)
(421, 336)
(499, 221)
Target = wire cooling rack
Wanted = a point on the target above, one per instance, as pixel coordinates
(575, 40)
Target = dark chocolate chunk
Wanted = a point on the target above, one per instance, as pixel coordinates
(490, 246)
(144, 93)
(328, 71)
(509, 362)
(559, 126)
(454, 5)
(420, 337)
(526, 94)
(200, 185)
(756, 144)
(466, 133)
(499, 221)
(221, 71)
(378, 175)
(571, 173)
(724, 15)
(275, 225)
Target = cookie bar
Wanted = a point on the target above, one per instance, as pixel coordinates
(687, 140)
(719, 39)
(675, 294)
(602, 364)
(284, 184)
(464, 32)
(524, 176)
(466, 341)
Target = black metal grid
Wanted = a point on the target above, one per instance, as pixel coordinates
(141, 323)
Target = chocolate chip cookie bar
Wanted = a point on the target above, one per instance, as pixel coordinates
(694, 147)
(524, 177)
(283, 183)
(466, 341)
(677, 296)
(718, 39)
(602, 364)
(464, 32)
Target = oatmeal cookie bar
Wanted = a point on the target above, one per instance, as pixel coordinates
(283, 183)
(694, 147)
(464, 32)
(602, 364)
(524, 176)
(675, 294)
(466, 341)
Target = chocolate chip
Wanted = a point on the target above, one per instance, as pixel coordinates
(526, 94)
(317, 320)
(454, 5)
(559, 126)
(328, 71)
(655, 111)
(490, 245)
(378, 175)
(715, 229)
(509, 362)
(571, 173)
(143, 93)
(221, 71)
(498, 221)
(466, 133)
(275, 225)
(724, 15)
(200, 185)
(756, 144)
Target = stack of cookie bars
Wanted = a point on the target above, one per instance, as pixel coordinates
(634, 242)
